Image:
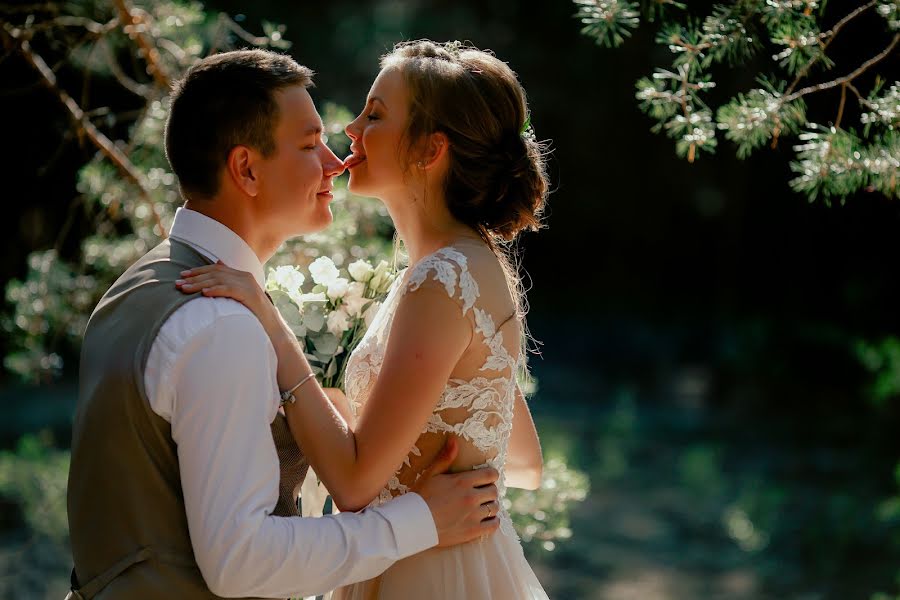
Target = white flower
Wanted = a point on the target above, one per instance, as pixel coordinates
(285, 277)
(338, 288)
(354, 300)
(361, 271)
(323, 271)
(381, 278)
(338, 322)
(371, 312)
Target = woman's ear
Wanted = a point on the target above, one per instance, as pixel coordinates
(240, 167)
(434, 150)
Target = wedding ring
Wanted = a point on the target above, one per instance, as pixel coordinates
(490, 514)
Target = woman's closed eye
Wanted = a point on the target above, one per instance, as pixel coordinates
(372, 117)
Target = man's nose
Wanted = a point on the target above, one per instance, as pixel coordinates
(332, 166)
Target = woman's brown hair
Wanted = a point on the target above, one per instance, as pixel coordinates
(497, 179)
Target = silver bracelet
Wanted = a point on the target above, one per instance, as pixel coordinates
(288, 396)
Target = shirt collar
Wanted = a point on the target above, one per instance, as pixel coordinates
(215, 241)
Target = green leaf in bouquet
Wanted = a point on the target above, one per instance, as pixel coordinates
(326, 344)
(319, 289)
(313, 318)
(289, 311)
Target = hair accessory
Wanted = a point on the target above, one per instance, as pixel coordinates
(527, 131)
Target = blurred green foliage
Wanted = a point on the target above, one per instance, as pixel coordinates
(34, 477)
(541, 517)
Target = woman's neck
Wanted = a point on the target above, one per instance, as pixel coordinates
(425, 229)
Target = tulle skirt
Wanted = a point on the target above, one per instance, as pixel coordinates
(491, 569)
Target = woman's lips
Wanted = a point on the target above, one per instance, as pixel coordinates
(353, 160)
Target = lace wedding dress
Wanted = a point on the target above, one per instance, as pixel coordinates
(476, 405)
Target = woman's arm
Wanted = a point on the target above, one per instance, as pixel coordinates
(524, 462)
(428, 336)
(341, 404)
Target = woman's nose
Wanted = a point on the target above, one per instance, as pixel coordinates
(350, 130)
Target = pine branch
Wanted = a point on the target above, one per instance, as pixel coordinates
(134, 24)
(139, 89)
(16, 38)
(849, 77)
(829, 37)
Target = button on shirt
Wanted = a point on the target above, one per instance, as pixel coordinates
(211, 373)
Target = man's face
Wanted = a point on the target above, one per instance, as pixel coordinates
(296, 180)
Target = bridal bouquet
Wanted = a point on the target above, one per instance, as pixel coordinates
(330, 314)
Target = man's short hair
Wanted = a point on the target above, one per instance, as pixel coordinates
(223, 101)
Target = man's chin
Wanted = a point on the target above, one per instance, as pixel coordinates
(309, 225)
(324, 220)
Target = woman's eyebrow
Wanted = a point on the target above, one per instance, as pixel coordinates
(377, 99)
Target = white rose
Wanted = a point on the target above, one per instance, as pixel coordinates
(338, 288)
(371, 312)
(323, 271)
(285, 277)
(381, 277)
(338, 322)
(361, 270)
(354, 300)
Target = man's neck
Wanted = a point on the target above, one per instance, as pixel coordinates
(241, 222)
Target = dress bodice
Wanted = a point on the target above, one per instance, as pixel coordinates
(477, 401)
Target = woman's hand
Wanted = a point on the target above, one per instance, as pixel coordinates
(219, 280)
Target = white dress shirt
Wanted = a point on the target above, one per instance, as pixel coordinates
(211, 373)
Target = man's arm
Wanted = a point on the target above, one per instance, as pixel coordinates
(225, 400)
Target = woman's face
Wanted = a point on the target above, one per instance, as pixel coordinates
(375, 163)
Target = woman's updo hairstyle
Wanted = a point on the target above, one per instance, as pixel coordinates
(497, 179)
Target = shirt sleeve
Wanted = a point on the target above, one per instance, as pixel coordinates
(225, 397)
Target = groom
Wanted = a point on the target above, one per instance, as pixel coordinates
(183, 473)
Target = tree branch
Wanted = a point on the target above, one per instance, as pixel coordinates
(132, 25)
(830, 35)
(847, 78)
(862, 99)
(14, 38)
(840, 114)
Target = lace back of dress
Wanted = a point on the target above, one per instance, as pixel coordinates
(477, 402)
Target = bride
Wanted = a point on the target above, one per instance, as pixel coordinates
(444, 141)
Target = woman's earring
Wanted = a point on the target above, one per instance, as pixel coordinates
(420, 164)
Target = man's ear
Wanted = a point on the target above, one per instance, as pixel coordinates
(434, 150)
(240, 169)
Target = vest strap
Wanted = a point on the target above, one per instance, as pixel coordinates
(95, 585)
